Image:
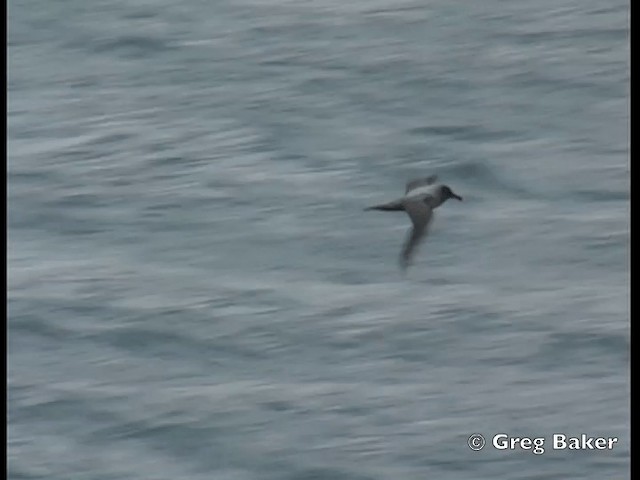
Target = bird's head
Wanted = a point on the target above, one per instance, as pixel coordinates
(446, 193)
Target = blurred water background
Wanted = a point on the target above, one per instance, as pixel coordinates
(195, 292)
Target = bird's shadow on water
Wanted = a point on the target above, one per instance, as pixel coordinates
(424, 279)
(412, 275)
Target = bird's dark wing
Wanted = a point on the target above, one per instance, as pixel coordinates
(420, 182)
(420, 214)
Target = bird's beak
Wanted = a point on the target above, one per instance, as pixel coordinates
(457, 197)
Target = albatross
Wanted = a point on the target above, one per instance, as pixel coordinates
(421, 197)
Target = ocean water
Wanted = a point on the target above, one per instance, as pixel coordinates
(195, 292)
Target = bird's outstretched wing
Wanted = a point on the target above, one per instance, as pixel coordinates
(420, 182)
(420, 214)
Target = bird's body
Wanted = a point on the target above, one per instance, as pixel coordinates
(421, 197)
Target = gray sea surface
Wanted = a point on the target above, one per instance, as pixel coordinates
(195, 292)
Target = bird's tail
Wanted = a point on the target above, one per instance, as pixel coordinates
(395, 206)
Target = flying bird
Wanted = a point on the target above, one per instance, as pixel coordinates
(421, 197)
